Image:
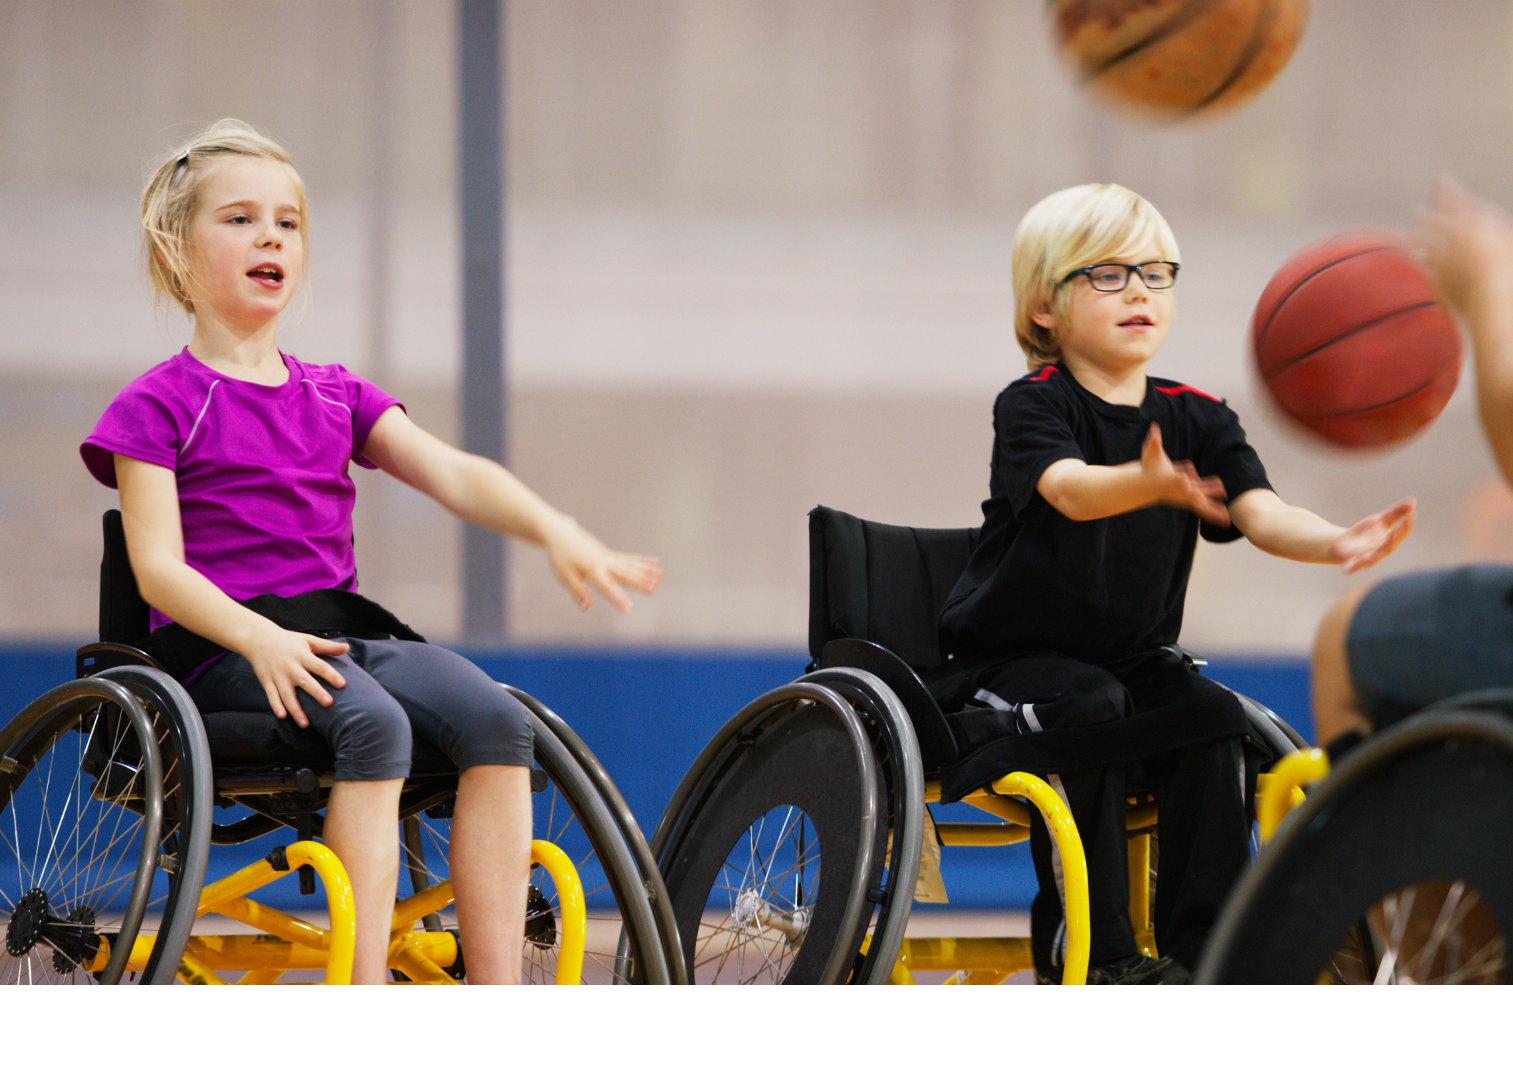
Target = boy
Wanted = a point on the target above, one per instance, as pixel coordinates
(1069, 611)
(1389, 650)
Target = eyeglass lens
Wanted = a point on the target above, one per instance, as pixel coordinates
(1113, 276)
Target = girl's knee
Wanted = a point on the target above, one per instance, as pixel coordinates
(373, 742)
(503, 734)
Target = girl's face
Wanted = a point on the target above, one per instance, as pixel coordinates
(246, 242)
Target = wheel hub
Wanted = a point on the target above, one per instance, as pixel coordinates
(540, 925)
(27, 921)
(75, 941)
(751, 908)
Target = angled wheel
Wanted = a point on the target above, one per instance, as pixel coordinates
(567, 811)
(104, 826)
(773, 846)
(896, 750)
(1393, 871)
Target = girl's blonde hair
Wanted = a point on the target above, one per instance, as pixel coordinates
(172, 196)
(1077, 227)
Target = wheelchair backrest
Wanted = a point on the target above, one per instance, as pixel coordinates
(882, 582)
(124, 615)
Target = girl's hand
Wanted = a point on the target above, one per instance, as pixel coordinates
(580, 560)
(284, 661)
(1179, 483)
(1371, 540)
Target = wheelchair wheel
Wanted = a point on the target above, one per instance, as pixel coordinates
(1394, 870)
(897, 752)
(567, 811)
(104, 810)
(773, 845)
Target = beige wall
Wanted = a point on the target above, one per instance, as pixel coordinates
(758, 260)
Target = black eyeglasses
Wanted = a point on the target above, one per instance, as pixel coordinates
(1113, 276)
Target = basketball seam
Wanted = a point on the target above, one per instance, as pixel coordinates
(1380, 404)
(1352, 330)
(1258, 35)
(1178, 19)
(1277, 307)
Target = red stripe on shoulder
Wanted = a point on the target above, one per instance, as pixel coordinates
(1172, 391)
(1043, 373)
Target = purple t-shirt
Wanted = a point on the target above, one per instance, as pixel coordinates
(264, 496)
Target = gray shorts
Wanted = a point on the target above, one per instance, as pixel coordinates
(1422, 637)
(396, 690)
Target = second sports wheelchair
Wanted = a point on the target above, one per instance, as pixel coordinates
(1394, 870)
(113, 787)
(839, 767)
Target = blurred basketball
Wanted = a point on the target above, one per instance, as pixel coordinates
(1178, 58)
(1353, 342)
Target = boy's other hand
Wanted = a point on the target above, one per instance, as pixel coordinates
(1372, 539)
(1179, 484)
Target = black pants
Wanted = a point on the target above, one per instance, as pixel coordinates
(1203, 790)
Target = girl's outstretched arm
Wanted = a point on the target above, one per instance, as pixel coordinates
(482, 492)
(1291, 532)
(283, 661)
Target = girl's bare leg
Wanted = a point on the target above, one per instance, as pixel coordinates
(362, 821)
(490, 864)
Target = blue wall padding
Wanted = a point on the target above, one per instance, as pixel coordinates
(647, 713)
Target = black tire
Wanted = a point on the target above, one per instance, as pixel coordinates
(896, 750)
(104, 813)
(650, 879)
(188, 795)
(567, 811)
(773, 845)
(1419, 817)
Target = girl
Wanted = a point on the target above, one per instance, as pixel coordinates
(231, 461)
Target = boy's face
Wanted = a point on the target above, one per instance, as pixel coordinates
(1112, 331)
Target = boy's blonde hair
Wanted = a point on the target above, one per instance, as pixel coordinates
(1077, 227)
(172, 195)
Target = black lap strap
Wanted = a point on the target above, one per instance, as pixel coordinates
(328, 612)
(1076, 748)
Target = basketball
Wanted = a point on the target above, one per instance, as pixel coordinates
(1353, 342)
(1175, 59)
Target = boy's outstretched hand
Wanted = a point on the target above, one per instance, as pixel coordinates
(1179, 483)
(1371, 540)
(580, 560)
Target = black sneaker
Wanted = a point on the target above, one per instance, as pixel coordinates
(1136, 969)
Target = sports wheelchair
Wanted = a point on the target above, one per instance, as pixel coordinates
(113, 787)
(840, 766)
(1394, 870)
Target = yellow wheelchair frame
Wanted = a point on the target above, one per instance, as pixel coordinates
(289, 943)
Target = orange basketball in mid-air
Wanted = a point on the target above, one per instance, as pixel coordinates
(1178, 58)
(1353, 342)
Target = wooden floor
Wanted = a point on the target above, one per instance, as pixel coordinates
(604, 932)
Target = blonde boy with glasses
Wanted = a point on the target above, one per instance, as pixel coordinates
(1067, 617)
